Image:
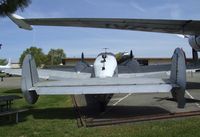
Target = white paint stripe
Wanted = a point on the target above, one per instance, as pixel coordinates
(115, 99)
(121, 99)
(198, 105)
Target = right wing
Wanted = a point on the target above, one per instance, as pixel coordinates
(187, 27)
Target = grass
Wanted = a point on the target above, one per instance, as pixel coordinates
(54, 116)
(2, 74)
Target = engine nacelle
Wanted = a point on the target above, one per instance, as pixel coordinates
(194, 42)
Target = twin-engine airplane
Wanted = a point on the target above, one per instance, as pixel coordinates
(106, 77)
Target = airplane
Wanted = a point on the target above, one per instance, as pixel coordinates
(106, 77)
(7, 66)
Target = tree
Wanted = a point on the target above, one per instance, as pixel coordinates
(118, 56)
(37, 53)
(10, 6)
(55, 56)
(3, 61)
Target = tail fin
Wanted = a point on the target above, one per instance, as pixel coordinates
(29, 78)
(178, 76)
(9, 63)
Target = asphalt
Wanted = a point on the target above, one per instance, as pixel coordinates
(10, 82)
(125, 105)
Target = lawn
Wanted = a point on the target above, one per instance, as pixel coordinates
(53, 116)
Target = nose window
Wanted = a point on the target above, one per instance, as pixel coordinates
(104, 58)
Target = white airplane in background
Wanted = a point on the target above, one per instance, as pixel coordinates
(106, 77)
(7, 66)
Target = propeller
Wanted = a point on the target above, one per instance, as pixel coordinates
(194, 55)
(182, 36)
(131, 54)
(194, 52)
(82, 56)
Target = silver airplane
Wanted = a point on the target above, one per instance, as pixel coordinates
(106, 77)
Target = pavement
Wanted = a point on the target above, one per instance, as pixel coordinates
(10, 82)
(125, 105)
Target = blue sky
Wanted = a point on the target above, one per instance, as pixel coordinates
(92, 41)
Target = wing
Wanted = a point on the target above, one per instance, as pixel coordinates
(189, 27)
(17, 72)
(52, 74)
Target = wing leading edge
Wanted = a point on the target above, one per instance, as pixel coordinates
(189, 27)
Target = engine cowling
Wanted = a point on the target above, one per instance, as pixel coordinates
(194, 42)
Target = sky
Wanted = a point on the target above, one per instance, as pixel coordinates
(92, 41)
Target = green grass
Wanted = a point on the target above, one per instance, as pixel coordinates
(2, 74)
(53, 116)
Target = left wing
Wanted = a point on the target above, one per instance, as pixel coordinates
(52, 74)
(187, 27)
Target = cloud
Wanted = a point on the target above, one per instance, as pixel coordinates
(137, 6)
(38, 14)
(174, 10)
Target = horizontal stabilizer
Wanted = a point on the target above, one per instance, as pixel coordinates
(101, 86)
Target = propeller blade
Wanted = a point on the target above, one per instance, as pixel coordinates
(182, 36)
(194, 55)
(82, 56)
(131, 54)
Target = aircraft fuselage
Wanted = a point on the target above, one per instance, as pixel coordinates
(105, 65)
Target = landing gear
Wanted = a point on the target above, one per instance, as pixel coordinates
(103, 100)
(94, 103)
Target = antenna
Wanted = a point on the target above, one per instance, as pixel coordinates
(105, 49)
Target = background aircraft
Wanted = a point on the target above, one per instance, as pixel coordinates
(3, 67)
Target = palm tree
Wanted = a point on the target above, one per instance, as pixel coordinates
(10, 6)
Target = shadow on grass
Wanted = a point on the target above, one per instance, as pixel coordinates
(46, 113)
(51, 113)
(114, 112)
(111, 112)
(11, 91)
